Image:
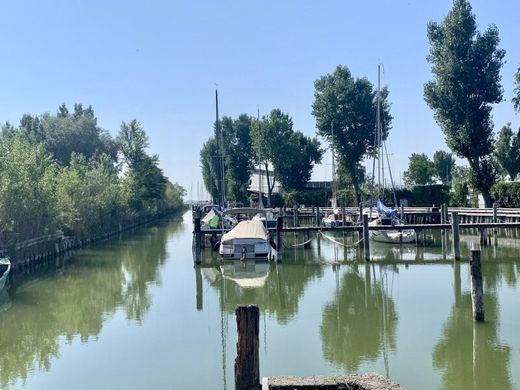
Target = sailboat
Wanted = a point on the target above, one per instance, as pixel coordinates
(385, 215)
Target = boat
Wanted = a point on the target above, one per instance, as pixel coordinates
(249, 239)
(216, 219)
(267, 219)
(5, 269)
(385, 215)
(336, 219)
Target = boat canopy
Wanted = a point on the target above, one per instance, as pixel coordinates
(246, 229)
(387, 212)
(211, 219)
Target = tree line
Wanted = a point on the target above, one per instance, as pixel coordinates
(63, 172)
(465, 65)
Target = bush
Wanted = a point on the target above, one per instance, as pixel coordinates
(506, 194)
(428, 195)
(309, 198)
(346, 198)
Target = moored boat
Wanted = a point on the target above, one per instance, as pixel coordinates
(247, 240)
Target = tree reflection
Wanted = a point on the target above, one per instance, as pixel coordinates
(470, 353)
(75, 301)
(361, 321)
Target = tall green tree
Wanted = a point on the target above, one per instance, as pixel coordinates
(420, 170)
(516, 98)
(345, 109)
(238, 156)
(507, 151)
(443, 164)
(210, 168)
(466, 68)
(294, 168)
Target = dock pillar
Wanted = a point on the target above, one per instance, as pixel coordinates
(456, 234)
(295, 216)
(247, 363)
(343, 216)
(199, 294)
(279, 227)
(197, 244)
(402, 214)
(366, 244)
(476, 286)
(318, 222)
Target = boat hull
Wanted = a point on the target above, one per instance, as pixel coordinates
(392, 236)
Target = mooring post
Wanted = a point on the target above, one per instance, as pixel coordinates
(318, 216)
(279, 227)
(495, 220)
(295, 216)
(402, 214)
(366, 244)
(476, 286)
(247, 364)
(199, 294)
(198, 239)
(343, 216)
(443, 215)
(456, 235)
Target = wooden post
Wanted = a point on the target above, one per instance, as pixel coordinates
(366, 244)
(279, 227)
(343, 216)
(306, 237)
(476, 286)
(247, 364)
(456, 235)
(402, 214)
(198, 240)
(318, 222)
(295, 216)
(360, 212)
(199, 294)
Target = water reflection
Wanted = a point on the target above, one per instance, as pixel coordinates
(471, 354)
(360, 322)
(74, 300)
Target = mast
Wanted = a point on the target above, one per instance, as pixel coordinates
(380, 161)
(220, 142)
(334, 200)
(260, 200)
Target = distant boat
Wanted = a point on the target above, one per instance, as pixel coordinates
(248, 240)
(5, 269)
(267, 219)
(336, 219)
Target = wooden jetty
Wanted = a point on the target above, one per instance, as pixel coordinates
(308, 220)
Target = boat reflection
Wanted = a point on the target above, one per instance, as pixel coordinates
(246, 274)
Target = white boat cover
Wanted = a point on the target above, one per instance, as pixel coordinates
(246, 229)
(207, 218)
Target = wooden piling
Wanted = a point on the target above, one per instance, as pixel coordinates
(402, 214)
(343, 216)
(318, 222)
(295, 216)
(198, 240)
(366, 244)
(247, 364)
(476, 286)
(279, 227)
(456, 234)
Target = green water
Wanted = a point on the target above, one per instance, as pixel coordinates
(135, 313)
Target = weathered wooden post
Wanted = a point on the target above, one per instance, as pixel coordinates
(199, 294)
(279, 227)
(456, 235)
(247, 364)
(476, 286)
(495, 220)
(366, 244)
(318, 216)
(295, 216)
(360, 219)
(343, 216)
(402, 214)
(197, 239)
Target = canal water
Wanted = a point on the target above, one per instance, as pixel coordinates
(135, 313)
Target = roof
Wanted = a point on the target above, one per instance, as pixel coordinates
(247, 229)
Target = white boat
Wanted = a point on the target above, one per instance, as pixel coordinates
(388, 217)
(267, 219)
(336, 219)
(5, 269)
(248, 240)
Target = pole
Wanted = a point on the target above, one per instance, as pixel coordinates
(279, 227)
(366, 244)
(247, 364)
(476, 286)
(456, 235)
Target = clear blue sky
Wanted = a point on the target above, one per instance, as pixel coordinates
(159, 61)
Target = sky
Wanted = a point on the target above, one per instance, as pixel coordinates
(160, 62)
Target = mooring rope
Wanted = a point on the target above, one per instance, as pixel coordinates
(340, 243)
(303, 243)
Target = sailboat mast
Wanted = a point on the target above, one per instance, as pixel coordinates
(380, 160)
(334, 200)
(260, 200)
(220, 141)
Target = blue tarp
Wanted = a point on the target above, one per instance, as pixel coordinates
(382, 209)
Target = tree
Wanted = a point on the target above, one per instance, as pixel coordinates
(210, 172)
(443, 163)
(345, 110)
(420, 170)
(507, 151)
(238, 156)
(516, 99)
(294, 167)
(132, 141)
(466, 68)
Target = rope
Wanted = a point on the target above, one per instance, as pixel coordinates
(303, 243)
(340, 243)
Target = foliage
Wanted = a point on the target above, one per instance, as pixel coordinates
(443, 164)
(516, 98)
(210, 173)
(346, 198)
(345, 110)
(427, 195)
(507, 151)
(461, 185)
(64, 134)
(466, 68)
(420, 170)
(507, 194)
(27, 190)
(308, 197)
(238, 156)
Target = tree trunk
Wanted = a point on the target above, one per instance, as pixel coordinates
(356, 191)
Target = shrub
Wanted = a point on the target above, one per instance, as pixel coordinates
(506, 194)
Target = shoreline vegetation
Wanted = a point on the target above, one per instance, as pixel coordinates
(63, 176)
